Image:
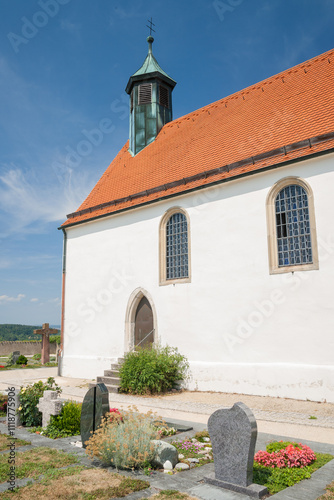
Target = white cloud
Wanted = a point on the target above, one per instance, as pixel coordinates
(34, 300)
(55, 301)
(6, 298)
(25, 201)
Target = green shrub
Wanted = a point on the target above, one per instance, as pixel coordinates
(54, 339)
(37, 356)
(152, 370)
(22, 360)
(29, 399)
(67, 423)
(124, 442)
(278, 445)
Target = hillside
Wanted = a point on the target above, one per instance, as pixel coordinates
(18, 332)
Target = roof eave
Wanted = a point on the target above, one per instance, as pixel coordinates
(149, 76)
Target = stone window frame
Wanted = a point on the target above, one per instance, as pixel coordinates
(162, 247)
(274, 268)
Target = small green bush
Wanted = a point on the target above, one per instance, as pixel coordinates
(22, 360)
(54, 339)
(37, 356)
(278, 445)
(67, 423)
(124, 441)
(152, 370)
(29, 399)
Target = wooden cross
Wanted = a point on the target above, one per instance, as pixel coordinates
(45, 331)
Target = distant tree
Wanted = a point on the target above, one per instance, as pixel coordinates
(10, 332)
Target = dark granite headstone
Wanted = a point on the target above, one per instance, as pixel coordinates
(95, 405)
(233, 433)
(16, 355)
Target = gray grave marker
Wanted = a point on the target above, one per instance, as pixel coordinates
(49, 405)
(233, 433)
(16, 355)
(95, 405)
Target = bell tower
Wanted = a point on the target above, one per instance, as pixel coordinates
(150, 90)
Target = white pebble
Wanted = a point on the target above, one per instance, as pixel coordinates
(181, 456)
(181, 466)
(168, 465)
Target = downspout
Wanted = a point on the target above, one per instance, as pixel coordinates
(61, 354)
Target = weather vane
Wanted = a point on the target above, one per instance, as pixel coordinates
(151, 26)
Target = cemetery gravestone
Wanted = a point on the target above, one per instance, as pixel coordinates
(49, 405)
(95, 405)
(16, 355)
(233, 435)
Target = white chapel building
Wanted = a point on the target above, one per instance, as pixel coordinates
(213, 233)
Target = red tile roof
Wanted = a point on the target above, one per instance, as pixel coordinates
(289, 116)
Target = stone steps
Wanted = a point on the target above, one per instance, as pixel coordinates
(111, 377)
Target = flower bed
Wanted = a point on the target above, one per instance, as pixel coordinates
(284, 464)
(293, 455)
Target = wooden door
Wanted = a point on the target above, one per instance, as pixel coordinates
(144, 324)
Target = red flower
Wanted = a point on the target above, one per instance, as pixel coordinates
(291, 456)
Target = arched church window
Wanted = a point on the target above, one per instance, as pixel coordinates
(174, 247)
(177, 247)
(291, 227)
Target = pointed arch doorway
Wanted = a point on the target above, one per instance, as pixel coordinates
(144, 330)
(140, 320)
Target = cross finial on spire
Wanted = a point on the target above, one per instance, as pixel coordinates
(151, 26)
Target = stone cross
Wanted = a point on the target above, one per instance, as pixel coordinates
(49, 405)
(233, 433)
(45, 332)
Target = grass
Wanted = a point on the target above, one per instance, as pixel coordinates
(5, 439)
(35, 462)
(172, 495)
(329, 495)
(78, 483)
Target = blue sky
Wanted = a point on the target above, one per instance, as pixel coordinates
(64, 65)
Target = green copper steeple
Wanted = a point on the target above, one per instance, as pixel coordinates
(150, 90)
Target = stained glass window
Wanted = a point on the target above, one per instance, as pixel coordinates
(293, 226)
(177, 247)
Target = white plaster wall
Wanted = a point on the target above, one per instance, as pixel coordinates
(242, 329)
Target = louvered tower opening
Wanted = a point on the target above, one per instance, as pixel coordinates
(145, 93)
(163, 96)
